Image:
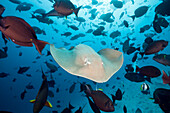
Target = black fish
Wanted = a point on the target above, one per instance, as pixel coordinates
(125, 23)
(129, 68)
(163, 8)
(66, 34)
(89, 31)
(136, 77)
(148, 40)
(68, 110)
(24, 6)
(2, 75)
(22, 70)
(43, 19)
(77, 36)
(162, 97)
(23, 94)
(50, 93)
(72, 87)
(20, 53)
(99, 31)
(73, 27)
(15, 1)
(29, 86)
(124, 109)
(138, 111)
(135, 57)
(41, 98)
(118, 95)
(117, 4)
(5, 112)
(57, 90)
(3, 54)
(140, 12)
(51, 83)
(52, 67)
(132, 49)
(115, 34)
(48, 53)
(145, 28)
(39, 11)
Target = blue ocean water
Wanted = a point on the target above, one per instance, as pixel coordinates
(133, 98)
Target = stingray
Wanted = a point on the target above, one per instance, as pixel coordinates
(83, 61)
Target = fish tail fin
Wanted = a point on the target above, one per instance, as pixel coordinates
(71, 107)
(142, 54)
(138, 48)
(40, 45)
(87, 91)
(33, 16)
(133, 17)
(165, 78)
(148, 79)
(48, 104)
(2, 9)
(76, 11)
(137, 69)
(32, 101)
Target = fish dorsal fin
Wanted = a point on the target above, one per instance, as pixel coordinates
(48, 104)
(32, 101)
(28, 26)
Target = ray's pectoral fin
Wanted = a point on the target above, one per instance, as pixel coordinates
(32, 101)
(48, 104)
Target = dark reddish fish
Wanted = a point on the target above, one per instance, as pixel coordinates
(20, 32)
(165, 78)
(149, 71)
(102, 101)
(163, 59)
(155, 47)
(66, 8)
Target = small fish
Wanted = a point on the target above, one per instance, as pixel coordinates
(138, 111)
(73, 27)
(72, 87)
(52, 67)
(68, 110)
(3, 54)
(29, 86)
(23, 94)
(145, 88)
(15, 1)
(2, 75)
(50, 93)
(66, 34)
(162, 97)
(24, 6)
(22, 70)
(135, 57)
(124, 109)
(125, 23)
(140, 11)
(51, 83)
(41, 98)
(5, 112)
(116, 3)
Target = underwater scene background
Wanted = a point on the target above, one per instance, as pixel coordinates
(18, 89)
